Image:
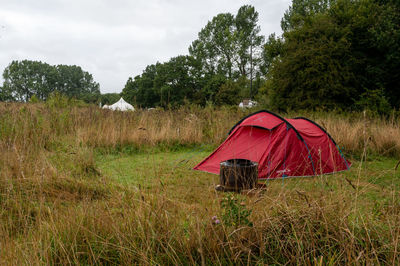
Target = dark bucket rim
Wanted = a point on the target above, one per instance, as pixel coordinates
(239, 163)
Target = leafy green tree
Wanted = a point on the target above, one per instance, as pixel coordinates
(381, 43)
(333, 54)
(74, 82)
(23, 79)
(271, 50)
(140, 90)
(301, 11)
(375, 101)
(175, 81)
(166, 84)
(228, 94)
(130, 89)
(4, 95)
(211, 88)
(215, 46)
(249, 42)
(314, 71)
(230, 46)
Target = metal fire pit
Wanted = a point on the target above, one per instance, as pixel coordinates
(238, 174)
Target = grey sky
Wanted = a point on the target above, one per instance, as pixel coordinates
(116, 39)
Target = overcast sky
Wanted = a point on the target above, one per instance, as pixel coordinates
(113, 39)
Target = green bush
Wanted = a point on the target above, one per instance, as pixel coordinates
(375, 101)
(34, 99)
(59, 100)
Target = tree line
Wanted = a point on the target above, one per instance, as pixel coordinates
(26, 79)
(336, 54)
(332, 54)
(223, 66)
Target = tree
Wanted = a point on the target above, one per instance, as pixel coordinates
(175, 81)
(383, 42)
(130, 90)
(333, 53)
(271, 50)
(230, 46)
(140, 90)
(74, 82)
(211, 88)
(2, 94)
(314, 69)
(215, 46)
(23, 79)
(164, 84)
(227, 94)
(301, 11)
(249, 42)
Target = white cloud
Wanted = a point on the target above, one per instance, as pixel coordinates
(113, 39)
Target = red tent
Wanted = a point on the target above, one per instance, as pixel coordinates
(282, 147)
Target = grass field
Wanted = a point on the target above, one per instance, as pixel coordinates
(368, 192)
(146, 168)
(88, 186)
(374, 180)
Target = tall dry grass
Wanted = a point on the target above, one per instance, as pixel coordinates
(199, 126)
(94, 127)
(56, 208)
(350, 131)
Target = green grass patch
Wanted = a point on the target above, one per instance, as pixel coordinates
(145, 169)
(373, 181)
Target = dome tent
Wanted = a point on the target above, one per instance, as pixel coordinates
(121, 105)
(282, 147)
